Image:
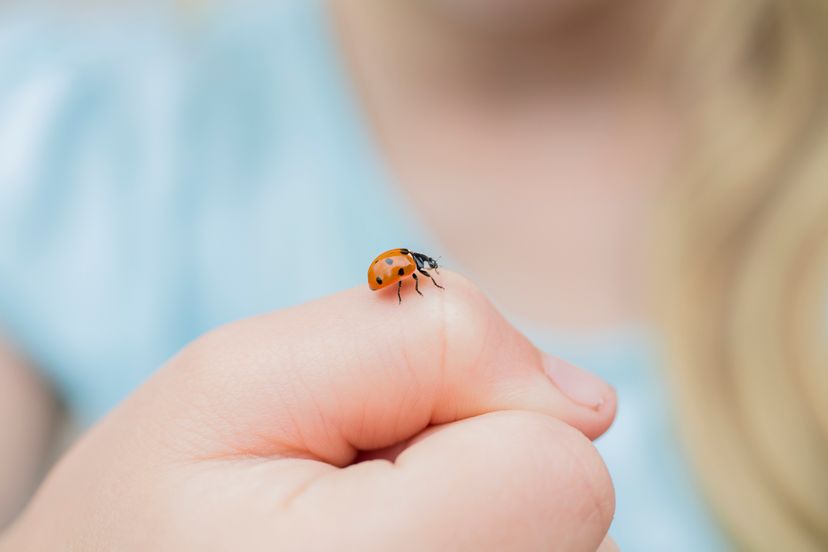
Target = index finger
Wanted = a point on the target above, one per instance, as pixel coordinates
(356, 371)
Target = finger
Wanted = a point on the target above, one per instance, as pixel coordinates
(500, 481)
(357, 371)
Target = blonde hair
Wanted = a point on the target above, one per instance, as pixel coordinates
(742, 272)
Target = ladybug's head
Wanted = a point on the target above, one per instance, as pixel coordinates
(431, 263)
(424, 261)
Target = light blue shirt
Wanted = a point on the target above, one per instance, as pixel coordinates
(161, 175)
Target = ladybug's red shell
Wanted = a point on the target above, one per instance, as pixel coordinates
(391, 267)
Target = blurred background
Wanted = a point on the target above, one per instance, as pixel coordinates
(640, 186)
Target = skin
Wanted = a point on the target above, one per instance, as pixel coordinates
(250, 439)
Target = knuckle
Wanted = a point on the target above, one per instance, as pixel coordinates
(454, 333)
(580, 475)
(557, 460)
(467, 320)
(590, 481)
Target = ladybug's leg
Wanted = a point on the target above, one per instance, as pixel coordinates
(399, 287)
(417, 283)
(421, 271)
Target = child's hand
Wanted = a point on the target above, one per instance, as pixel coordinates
(250, 439)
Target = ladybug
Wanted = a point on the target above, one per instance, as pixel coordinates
(395, 265)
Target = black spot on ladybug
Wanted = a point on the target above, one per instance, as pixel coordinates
(404, 251)
(379, 280)
(389, 261)
(401, 271)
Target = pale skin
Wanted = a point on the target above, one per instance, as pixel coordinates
(542, 95)
(250, 439)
